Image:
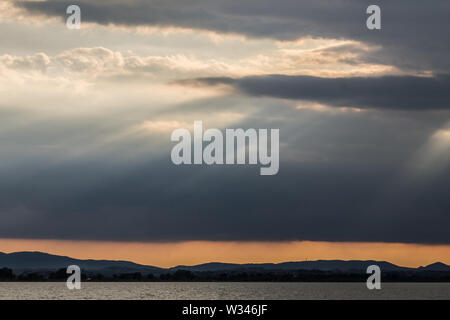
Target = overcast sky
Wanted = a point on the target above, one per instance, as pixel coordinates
(86, 117)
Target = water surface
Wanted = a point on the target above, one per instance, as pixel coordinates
(222, 290)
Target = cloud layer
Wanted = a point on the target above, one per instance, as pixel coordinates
(86, 117)
(413, 34)
(390, 92)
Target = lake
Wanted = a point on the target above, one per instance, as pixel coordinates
(222, 290)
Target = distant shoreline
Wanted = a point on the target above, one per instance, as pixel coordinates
(44, 267)
(7, 275)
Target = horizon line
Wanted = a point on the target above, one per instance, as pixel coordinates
(219, 262)
(169, 254)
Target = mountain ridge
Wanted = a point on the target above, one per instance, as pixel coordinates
(27, 261)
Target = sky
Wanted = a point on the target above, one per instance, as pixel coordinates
(364, 118)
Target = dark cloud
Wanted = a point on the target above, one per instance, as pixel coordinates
(388, 92)
(341, 179)
(344, 175)
(158, 203)
(414, 34)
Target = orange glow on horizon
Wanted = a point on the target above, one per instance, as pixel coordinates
(170, 254)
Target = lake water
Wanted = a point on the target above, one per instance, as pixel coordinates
(218, 290)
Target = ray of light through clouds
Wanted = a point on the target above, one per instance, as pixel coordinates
(86, 117)
(434, 156)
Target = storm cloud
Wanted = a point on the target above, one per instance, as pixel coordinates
(388, 92)
(413, 36)
(86, 117)
(343, 177)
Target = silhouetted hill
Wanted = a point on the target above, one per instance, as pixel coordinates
(322, 265)
(39, 261)
(437, 266)
(31, 265)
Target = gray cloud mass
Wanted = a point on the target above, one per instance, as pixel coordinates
(341, 179)
(83, 157)
(414, 34)
(387, 92)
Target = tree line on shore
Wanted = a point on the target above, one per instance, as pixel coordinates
(7, 274)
